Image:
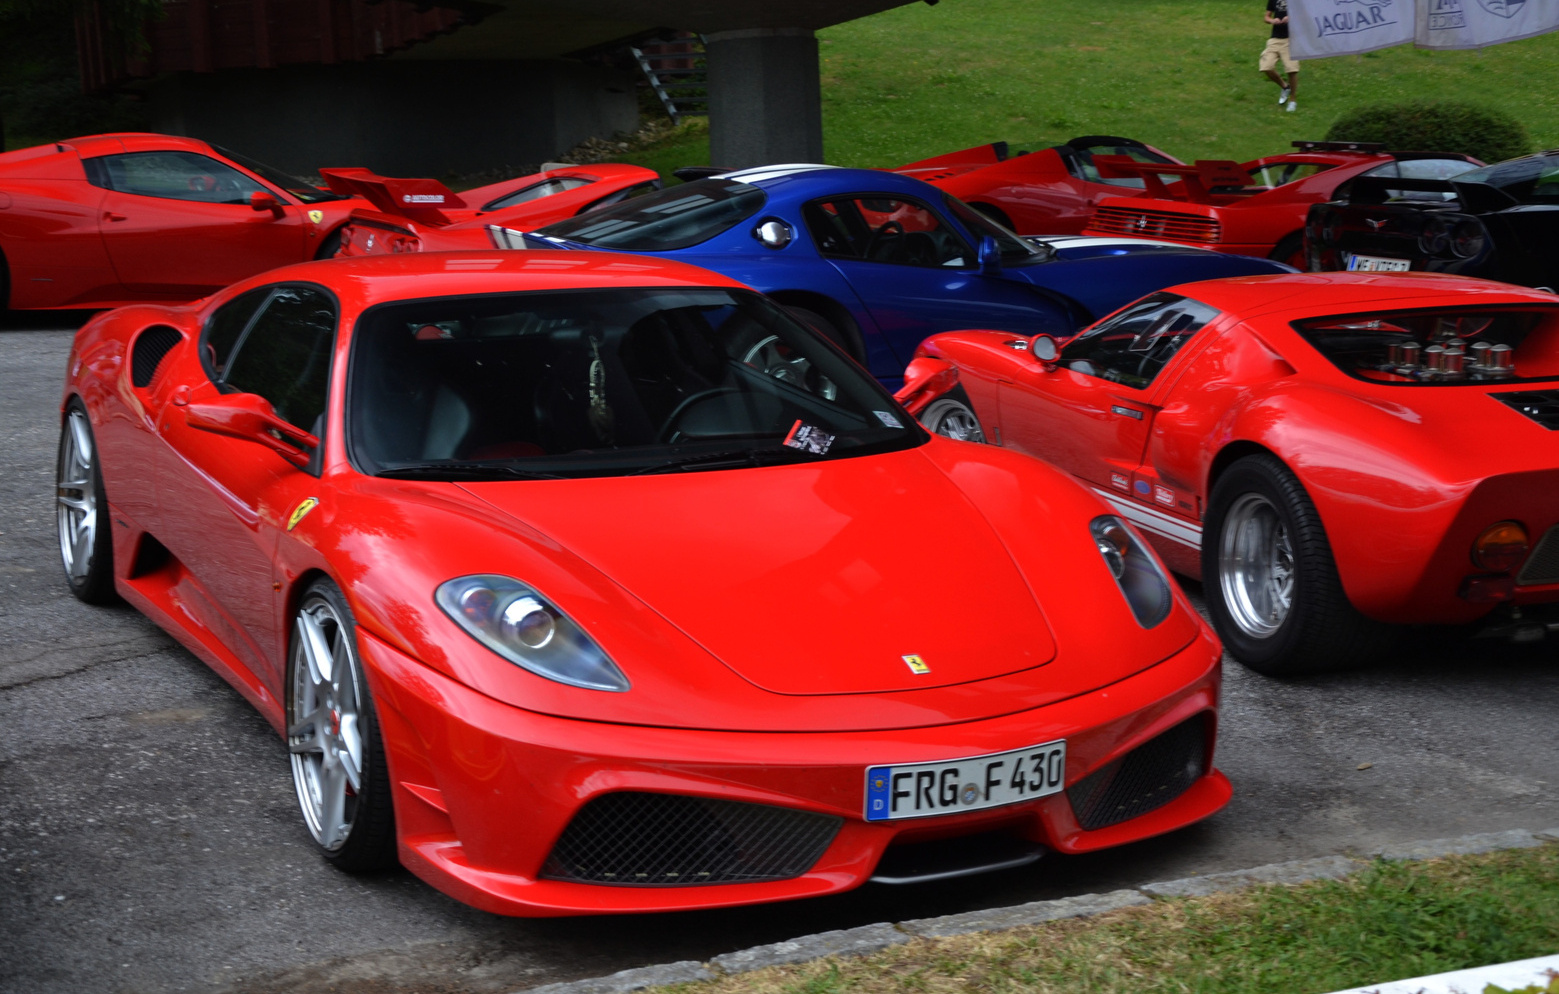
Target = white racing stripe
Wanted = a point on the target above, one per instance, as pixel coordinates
(761, 173)
(1095, 241)
(1153, 520)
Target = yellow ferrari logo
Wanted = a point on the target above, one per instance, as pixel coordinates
(316, 216)
(916, 664)
(298, 513)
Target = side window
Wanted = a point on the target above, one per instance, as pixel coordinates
(1134, 345)
(226, 328)
(536, 191)
(285, 357)
(885, 229)
(178, 176)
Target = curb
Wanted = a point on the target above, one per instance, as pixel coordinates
(871, 938)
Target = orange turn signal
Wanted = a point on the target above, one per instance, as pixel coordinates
(1501, 547)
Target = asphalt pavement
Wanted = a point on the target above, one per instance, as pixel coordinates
(150, 840)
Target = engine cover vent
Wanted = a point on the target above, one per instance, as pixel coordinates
(1541, 406)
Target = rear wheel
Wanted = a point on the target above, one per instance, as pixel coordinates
(1292, 251)
(995, 214)
(1270, 580)
(330, 246)
(825, 327)
(81, 511)
(338, 765)
(951, 415)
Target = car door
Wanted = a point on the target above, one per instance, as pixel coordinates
(224, 500)
(178, 224)
(916, 273)
(1091, 412)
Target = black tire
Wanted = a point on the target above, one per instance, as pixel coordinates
(995, 214)
(1319, 629)
(81, 510)
(952, 416)
(369, 839)
(330, 246)
(1292, 251)
(828, 329)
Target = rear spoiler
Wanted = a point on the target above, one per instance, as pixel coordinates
(1198, 179)
(982, 155)
(420, 200)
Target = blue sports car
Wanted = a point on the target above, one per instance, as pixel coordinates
(878, 262)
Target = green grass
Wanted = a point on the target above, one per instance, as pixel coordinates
(1389, 922)
(917, 80)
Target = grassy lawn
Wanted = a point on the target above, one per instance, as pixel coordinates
(1392, 921)
(1180, 74)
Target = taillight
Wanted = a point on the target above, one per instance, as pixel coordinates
(1501, 547)
(1467, 238)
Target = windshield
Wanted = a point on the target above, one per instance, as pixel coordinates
(1532, 180)
(605, 383)
(1014, 250)
(305, 192)
(666, 220)
(1461, 345)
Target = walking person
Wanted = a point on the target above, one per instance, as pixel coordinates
(1277, 51)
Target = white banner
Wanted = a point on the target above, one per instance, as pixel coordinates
(1319, 28)
(1476, 23)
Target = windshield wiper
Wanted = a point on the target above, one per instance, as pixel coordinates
(465, 471)
(727, 459)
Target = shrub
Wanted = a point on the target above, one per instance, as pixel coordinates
(1443, 126)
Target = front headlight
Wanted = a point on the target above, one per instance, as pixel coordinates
(517, 623)
(1135, 570)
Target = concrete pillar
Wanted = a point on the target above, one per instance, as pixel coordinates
(765, 102)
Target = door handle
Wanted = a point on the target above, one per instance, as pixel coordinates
(1128, 412)
(111, 216)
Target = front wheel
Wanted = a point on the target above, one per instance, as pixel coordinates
(338, 765)
(1270, 580)
(81, 511)
(951, 415)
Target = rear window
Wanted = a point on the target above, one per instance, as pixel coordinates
(1441, 347)
(666, 220)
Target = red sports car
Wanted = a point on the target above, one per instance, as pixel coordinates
(425, 216)
(1326, 451)
(1049, 191)
(1257, 207)
(110, 219)
(588, 583)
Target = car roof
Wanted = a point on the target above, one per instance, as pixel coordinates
(1305, 295)
(91, 146)
(811, 179)
(376, 279)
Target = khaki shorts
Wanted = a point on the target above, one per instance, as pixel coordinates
(1277, 48)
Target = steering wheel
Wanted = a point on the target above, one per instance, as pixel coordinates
(668, 429)
(772, 356)
(879, 236)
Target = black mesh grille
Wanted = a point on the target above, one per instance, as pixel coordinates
(150, 347)
(669, 840)
(1541, 406)
(1543, 565)
(1148, 777)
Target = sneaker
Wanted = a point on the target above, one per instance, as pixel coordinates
(1283, 96)
(1292, 106)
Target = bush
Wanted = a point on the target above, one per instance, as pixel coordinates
(1442, 126)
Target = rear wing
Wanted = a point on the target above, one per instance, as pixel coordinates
(1197, 180)
(420, 200)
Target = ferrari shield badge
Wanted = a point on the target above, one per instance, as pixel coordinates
(316, 216)
(306, 505)
(916, 664)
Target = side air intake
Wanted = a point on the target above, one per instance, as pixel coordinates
(151, 347)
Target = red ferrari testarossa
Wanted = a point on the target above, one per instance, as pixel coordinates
(587, 582)
(1326, 451)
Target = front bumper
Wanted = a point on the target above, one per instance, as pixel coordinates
(483, 790)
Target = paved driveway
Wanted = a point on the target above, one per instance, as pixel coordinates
(149, 839)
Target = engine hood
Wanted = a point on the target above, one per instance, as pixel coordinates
(817, 579)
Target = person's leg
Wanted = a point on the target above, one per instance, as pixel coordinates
(1293, 84)
(1269, 63)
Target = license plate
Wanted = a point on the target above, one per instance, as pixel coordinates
(919, 790)
(1376, 264)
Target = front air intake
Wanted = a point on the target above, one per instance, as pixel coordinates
(633, 839)
(1143, 780)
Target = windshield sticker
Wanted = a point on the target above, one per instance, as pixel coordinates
(809, 438)
(888, 419)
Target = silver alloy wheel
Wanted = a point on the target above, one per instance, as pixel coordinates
(76, 491)
(770, 355)
(324, 727)
(953, 419)
(1256, 566)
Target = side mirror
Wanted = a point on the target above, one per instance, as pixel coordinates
(925, 379)
(1045, 349)
(250, 417)
(990, 256)
(261, 200)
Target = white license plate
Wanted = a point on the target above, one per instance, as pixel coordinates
(1376, 264)
(918, 790)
